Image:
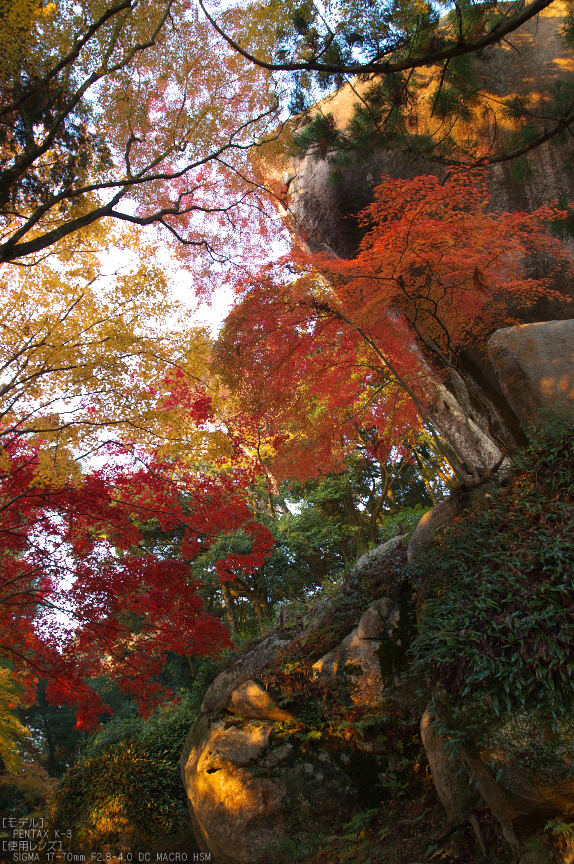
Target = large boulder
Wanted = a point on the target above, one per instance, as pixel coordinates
(534, 364)
(535, 367)
(457, 794)
(215, 757)
(254, 796)
(262, 779)
(503, 769)
(371, 657)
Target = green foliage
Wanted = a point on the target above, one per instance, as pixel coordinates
(113, 732)
(564, 228)
(515, 107)
(378, 121)
(403, 522)
(126, 790)
(35, 741)
(290, 569)
(320, 528)
(53, 728)
(355, 829)
(343, 515)
(560, 828)
(495, 594)
(521, 168)
(387, 114)
(387, 111)
(459, 89)
(326, 519)
(320, 137)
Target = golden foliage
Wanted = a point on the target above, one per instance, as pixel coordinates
(13, 734)
(87, 358)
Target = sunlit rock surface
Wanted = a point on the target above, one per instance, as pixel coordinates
(252, 795)
(260, 787)
(535, 366)
(360, 661)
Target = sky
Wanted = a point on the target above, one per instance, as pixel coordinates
(210, 314)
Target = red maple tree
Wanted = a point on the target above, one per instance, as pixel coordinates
(318, 344)
(80, 596)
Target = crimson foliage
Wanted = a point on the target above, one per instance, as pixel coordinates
(79, 596)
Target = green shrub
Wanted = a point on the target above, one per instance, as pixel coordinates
(128, 792)
(403, 522)
(495, 594)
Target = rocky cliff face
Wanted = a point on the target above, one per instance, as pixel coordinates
(469, 407)
(266, 781)
(324, 203)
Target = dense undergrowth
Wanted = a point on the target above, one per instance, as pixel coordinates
(126, 794)
(494, 651)
(495, 602)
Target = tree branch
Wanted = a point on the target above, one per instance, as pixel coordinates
(458, 49)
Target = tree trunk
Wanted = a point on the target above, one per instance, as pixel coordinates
(262, 610)
(231, 611)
